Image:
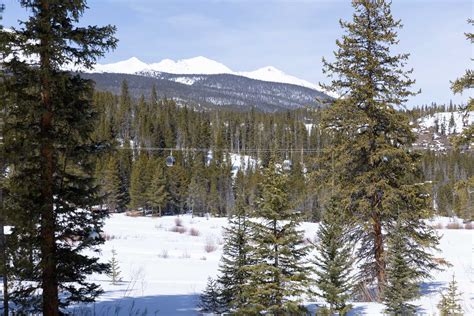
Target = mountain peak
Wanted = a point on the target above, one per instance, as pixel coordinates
(201, 65)
(129, 66)
(268, 69)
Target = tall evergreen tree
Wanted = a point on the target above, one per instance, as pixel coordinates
(334, 260)
(139, 182)
(49, 121)
(125, 157)
(110, 184)
(374, 170)
(236, 256)
(279, 275)
(125, 114)
(157, 193)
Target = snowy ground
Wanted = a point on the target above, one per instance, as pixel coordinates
(164, 271)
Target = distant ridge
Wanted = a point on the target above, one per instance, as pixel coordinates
(201, 65)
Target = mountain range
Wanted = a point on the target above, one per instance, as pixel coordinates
(205, 83)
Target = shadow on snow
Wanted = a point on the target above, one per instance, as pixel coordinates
(167, 305)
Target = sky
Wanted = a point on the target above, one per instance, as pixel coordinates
(291, 35)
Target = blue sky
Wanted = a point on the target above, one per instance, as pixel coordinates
(292, 35)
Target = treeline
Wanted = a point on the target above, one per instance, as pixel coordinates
(426, 110)
(144, 132)
(208, 147)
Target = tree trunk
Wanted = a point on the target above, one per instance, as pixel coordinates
(379, 256)
(49, 280)
(278, 300)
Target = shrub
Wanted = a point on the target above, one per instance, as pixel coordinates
(438, 226)
(107, 237)
(210, 245)
(178, 229)
(194, 232)
(185, 255)
(164, 254)
(454, 225)
(134, 213)
(469, 225)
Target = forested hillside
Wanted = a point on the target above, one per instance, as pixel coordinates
(207, 146)
(216, 91)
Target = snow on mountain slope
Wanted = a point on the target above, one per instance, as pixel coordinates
(129, 66)
(451, 122)
(434, 131)
(201, 65)
(196, 65)
(270, 73)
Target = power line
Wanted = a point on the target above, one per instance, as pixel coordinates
(251, 150)
(255, 150)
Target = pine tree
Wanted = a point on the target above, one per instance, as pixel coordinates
(125, 114)
(402, 277)
(449, 303)
(210, 301)
(139, 183)
(50, 120)
(114, 272)
(369, 160)
(125, 169)
(110, 184)
(280, 274)
(334, 260)
(157, 193)
(236, 256)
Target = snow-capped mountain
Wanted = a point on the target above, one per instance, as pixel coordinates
(272, 74)
(200, 65)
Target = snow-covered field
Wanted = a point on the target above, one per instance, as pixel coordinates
(164, 271)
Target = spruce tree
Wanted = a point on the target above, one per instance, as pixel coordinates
(210, 299)
(114, 272)
(125, 157)
(157, 192)
(449, 303)
(139, 183)
(334, 260)
(236, 256)
(279, 274)
(50, 120)
(110, 184)
(369, 160)
(402, 276)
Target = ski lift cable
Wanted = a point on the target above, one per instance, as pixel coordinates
(251, 150)
(248, 150)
